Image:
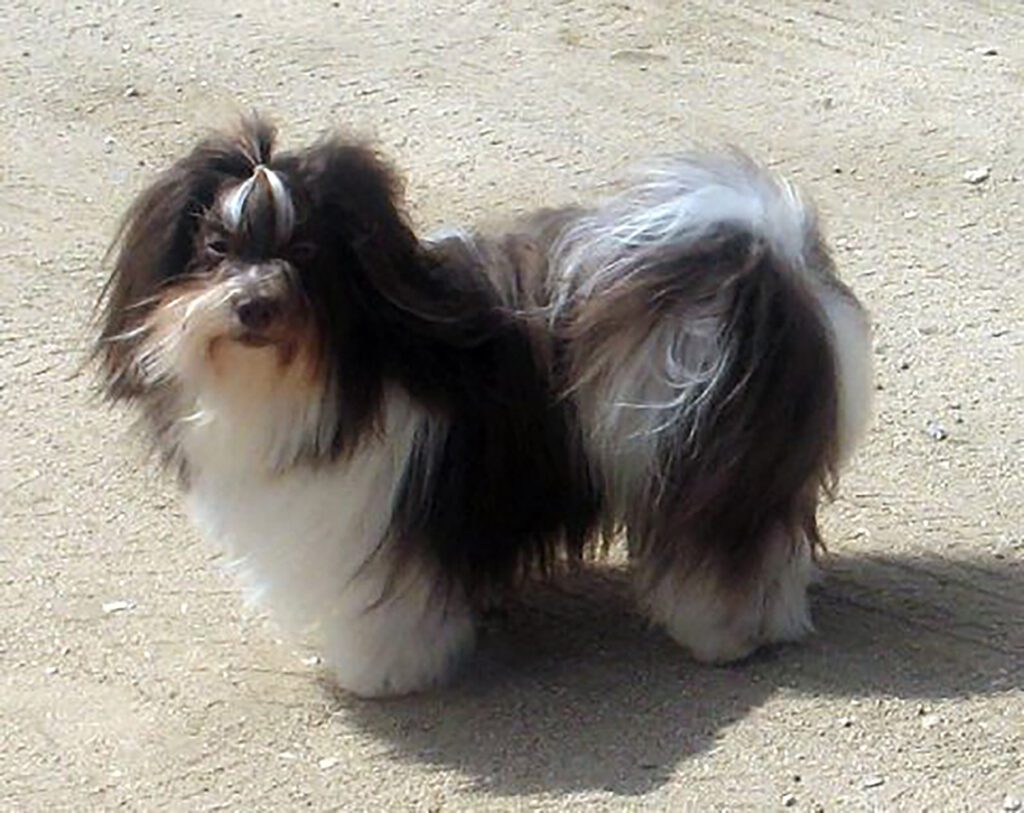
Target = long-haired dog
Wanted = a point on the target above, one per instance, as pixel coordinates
(386, 433)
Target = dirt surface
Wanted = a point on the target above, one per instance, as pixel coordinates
(130, 673)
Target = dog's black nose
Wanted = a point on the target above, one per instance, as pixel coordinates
(255, 313)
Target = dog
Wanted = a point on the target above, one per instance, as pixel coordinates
(389, 433)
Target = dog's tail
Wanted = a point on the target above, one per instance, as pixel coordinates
(720, 368)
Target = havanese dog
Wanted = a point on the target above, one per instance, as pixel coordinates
(388, 433)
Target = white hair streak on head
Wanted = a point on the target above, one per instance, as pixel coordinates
(234, 203)
(284, 209)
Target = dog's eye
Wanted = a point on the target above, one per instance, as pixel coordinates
(217, 246)
(303, 252)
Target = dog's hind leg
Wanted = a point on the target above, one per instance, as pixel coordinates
(720, 614)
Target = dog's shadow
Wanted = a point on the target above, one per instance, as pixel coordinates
(573, 691)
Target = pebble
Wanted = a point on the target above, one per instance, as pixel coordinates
(327, 763)
(637, 56)
(1012, 803)
(846, 722)
(936, 431)
(788, 800)
(131, 92)
(977, 175)
(987, 50)
(873, 782)
(110, 607)
(930, 721)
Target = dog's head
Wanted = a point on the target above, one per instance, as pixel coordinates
(245, 270)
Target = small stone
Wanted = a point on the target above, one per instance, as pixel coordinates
(930, 721)
(936, 431)
(327, 763)
(788, 800)
(637, 56)
(111, 607)
(978, 175)
(1012, 803)
(50, 670)
(986, 50)
(873, 782)
(131, 92)
(846, 722)
(312, 660)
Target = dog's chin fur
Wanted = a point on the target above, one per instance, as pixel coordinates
(387, 433)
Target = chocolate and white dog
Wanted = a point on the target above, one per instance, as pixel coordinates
(387, 433)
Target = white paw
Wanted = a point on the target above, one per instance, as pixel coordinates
(394, 649)
(718, 623)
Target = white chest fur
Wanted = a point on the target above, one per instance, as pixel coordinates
(311, 544)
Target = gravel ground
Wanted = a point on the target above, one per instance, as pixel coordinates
(131, 675)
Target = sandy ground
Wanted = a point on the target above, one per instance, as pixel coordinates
(911, 697)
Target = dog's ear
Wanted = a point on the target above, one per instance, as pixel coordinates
(156, 240)
(356, 200)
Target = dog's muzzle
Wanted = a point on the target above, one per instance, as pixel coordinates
(260, 304)
(255, 312)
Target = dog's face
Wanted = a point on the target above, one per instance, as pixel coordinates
(251, 273)
(251, 267)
